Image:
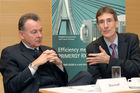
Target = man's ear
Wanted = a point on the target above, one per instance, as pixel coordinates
(21, 34)
(98, 26)
(117, 24)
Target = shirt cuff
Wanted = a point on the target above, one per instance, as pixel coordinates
(32, 70)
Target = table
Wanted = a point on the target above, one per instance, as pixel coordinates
(80, 89)
(70, 89)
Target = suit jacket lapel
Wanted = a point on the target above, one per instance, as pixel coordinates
(25, 53)
(122, 47)
(104, 46)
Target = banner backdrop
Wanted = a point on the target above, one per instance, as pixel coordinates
(74, 27)
(72, 52)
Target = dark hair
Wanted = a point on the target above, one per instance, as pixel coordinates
(106, 9)
(24, 18)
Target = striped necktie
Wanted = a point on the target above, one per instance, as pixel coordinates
(114, 52)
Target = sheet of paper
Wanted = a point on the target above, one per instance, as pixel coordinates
(74, 89)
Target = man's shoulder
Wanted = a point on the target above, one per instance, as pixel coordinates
(11, 50)
(11, 47)
(129, 38)
(96, 42)
(129, 35)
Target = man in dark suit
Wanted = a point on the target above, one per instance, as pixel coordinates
(100, 55)
(28, 66)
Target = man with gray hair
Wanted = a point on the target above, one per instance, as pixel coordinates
(28, 66)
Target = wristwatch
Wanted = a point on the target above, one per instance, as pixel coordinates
(33, 66)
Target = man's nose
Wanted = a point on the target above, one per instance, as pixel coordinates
(39, 34)
(106, 24)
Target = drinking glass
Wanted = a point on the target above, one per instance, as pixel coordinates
(116, 71)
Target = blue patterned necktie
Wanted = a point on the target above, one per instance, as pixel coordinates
(36, 53)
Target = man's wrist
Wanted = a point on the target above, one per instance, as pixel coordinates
(108, 59)
(33, 66)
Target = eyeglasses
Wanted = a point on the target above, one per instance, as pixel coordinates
(108, 20)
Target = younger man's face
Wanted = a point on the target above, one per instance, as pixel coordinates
(107, 25)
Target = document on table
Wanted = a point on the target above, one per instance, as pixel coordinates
(74, 89)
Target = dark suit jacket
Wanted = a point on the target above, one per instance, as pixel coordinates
(129, 57)
(17, 77)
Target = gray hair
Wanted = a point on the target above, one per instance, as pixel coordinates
(24, 18)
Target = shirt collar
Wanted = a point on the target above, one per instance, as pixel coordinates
(29, 46)
(114, 42)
